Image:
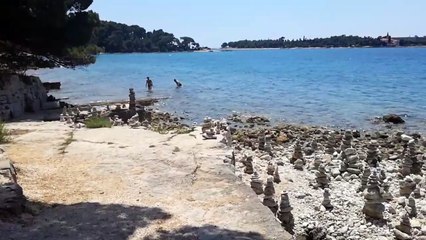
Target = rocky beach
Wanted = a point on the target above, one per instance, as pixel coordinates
(271, 180)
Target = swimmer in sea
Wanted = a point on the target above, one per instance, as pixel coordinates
(178, 84)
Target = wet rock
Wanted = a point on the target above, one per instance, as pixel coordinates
(393, 118)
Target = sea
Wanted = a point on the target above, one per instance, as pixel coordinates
(340, 87)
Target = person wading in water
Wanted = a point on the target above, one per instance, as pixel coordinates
(149, 84)
(178, 84)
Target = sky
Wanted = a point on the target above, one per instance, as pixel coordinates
(212, 22)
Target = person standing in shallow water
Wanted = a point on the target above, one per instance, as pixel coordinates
(149, 84)
(178, 84)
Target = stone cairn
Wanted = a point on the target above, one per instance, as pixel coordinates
(227, 137)
(406, 186)
(297, 154)
(261, 142)
(331, 143)
(373, 206)
(386, 194)
(277, 178)
(411, 207)
(256, 183)
(351, 162)
(314, 144)
(270, 168)
(284, 214)
(322, 179)
(372, 153)
(403, 230)
(249, 165)
(317, 162)
(411, 152)
(364, 178)
(326, 202)
(132, 100)
(298, 164)
(269, 191)
(268, 144)
(406, 165)
(346, 143)
(417, 193)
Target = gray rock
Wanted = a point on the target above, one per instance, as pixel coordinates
(335, 172)
(400, 235)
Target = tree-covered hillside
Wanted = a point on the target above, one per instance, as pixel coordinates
(44, 33)
(115, 37)
(335, 41)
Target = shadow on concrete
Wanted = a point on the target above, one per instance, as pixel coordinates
(206, 232)
(83, 221)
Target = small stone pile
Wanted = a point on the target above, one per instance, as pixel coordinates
(317, 162)
(256, 183)
(411, 152)
(364, 179)
(269, 191)
(403, 230)
(249, 165)
(346, 143)
(322, 179)
(132, 100)
(386, 194)
(268, 144)
(261, 142)
(297, 154)
(277, 178)
(407, 165)
(372, 153)
(331, 143)
(284, 214)
(351, 162)
(326, 202)
(270, 169)
(411, 207)
(406, 186)
(373, 206)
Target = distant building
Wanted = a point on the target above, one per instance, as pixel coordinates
(388, 41)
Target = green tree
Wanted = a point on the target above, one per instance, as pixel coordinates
(44, 33)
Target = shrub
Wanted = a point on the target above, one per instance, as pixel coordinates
(4, 133)
(98, 122)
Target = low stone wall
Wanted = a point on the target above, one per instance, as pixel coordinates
(20, 94)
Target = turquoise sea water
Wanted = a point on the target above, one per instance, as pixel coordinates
(332, 87)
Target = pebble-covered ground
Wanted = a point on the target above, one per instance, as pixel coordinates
(346, 219)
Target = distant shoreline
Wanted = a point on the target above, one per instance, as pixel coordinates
(260, 49)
